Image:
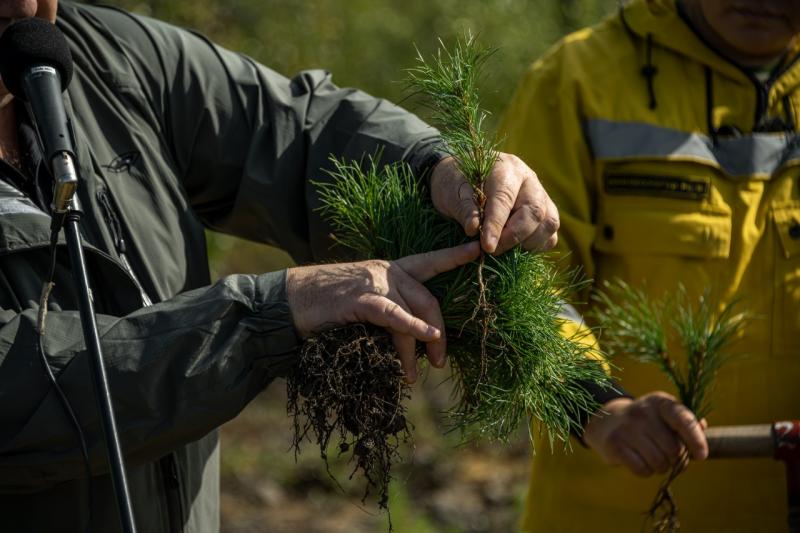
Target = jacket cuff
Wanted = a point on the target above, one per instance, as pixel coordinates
(280, 341)
(601, 394)
(424, 157)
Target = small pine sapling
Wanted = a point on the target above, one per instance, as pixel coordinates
(644, 329)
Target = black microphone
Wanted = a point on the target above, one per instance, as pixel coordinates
(36, 66)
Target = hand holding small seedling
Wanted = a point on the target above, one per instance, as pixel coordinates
(634, 433)
(518, 210)
(647, 435)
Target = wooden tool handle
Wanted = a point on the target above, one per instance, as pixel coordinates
(729, 442)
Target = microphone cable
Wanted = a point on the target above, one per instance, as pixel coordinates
(47, 287)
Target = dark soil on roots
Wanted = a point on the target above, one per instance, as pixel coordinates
(349, 387)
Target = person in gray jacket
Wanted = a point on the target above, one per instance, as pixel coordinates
(174, 135)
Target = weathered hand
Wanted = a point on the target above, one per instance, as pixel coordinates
(646, 435)
(389, 294)
(517, 211)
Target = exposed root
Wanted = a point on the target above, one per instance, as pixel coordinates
(662, 517)
(349, 383)
(482, 307)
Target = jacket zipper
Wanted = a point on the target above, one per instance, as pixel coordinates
(172, 482)
(112, 220)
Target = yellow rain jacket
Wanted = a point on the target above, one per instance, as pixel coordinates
(672, 165)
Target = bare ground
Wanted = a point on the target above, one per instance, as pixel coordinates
(440, 486)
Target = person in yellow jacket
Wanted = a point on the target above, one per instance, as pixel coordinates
(667, 136)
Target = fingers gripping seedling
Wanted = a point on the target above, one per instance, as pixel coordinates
(351, 381)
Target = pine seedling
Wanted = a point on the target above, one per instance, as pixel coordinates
(524, 367)
(642, 328)
(449, 83)
(510, 363)
(533, 372)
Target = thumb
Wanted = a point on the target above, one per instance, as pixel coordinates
(423, 267)
(466, 211)
(453, 196)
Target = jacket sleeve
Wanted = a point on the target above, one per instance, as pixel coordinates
(249, 143)
(223, 344)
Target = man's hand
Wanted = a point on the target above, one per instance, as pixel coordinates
(517, 211)
(646, 435)
(384, 293)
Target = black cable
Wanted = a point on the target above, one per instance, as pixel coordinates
(649, 71)
(55, 229)
(712, 130)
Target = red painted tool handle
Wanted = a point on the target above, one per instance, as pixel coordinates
(779, 440)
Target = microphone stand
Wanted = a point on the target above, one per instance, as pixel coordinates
(66, 208)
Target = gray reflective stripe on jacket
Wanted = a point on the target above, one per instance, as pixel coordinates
(753, 154)
(173, 135)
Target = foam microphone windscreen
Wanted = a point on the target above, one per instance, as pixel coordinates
(31, 42)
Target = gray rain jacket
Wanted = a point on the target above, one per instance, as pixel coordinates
(173, 134)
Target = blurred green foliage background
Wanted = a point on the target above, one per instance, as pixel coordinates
(368, 44)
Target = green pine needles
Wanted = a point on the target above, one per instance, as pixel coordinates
(532, 370)
(637, 326)
(449, 81)
(645, 329)
(450, 84)
(510, 363)
(509, 360)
